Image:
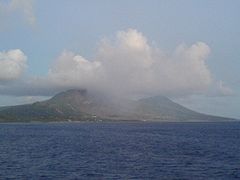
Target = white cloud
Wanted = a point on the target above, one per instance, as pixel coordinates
(128, 65)
(23, 7)
(12, 65)
(71, 70)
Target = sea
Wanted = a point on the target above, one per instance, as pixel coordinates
(120, 150)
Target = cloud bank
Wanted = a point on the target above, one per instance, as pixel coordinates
(12, 65)
(127, 65)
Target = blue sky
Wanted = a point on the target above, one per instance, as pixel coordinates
(43, 30)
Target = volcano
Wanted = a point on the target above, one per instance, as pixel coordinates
(81, 105)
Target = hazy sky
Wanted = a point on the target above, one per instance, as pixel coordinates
(187, 50)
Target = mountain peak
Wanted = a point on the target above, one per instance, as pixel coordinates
(82, 92)
(156, 99)
(72, 93)
(79, 104)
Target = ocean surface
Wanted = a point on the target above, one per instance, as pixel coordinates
(120, 150)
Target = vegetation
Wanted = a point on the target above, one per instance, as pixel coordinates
(78, 105)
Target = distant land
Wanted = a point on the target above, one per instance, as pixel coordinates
(80, 105)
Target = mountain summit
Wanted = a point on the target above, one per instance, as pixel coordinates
(80, 105)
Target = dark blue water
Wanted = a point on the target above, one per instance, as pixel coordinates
(120, 151)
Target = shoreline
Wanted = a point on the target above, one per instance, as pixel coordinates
(121, 121)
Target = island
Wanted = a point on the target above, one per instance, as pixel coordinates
(80, 105)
